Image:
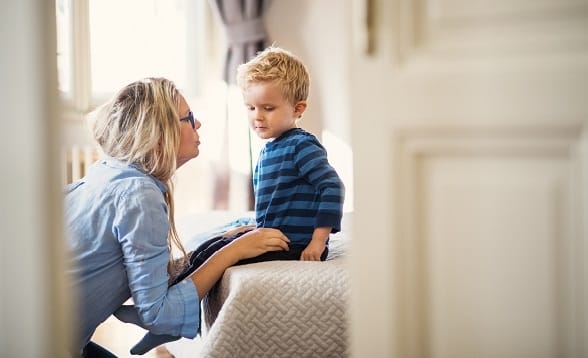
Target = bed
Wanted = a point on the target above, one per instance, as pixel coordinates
(275, 308)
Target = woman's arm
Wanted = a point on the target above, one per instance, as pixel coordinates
(251, 244)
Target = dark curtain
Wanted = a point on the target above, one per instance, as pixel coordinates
(246, 36)
(244, 29)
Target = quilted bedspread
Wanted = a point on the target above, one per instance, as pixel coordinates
(280, 309)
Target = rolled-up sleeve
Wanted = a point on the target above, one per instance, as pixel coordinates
(142, 230)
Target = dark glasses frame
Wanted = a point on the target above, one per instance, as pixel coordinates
(189, 118)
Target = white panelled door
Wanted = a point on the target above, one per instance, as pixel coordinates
(470, 131)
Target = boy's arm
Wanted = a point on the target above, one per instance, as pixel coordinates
(315, 248)
(313, 166)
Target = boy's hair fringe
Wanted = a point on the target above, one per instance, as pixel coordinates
(277, 65)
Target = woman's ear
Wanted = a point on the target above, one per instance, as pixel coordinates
(299, 108)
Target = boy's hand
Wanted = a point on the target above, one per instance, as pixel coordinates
(317, 244)
(313, 251)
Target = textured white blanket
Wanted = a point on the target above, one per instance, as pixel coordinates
(275, 309)
(278, 309)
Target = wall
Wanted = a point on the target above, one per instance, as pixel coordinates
(32, 302)
(319, 32)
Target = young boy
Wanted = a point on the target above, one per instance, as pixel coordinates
(296, 189)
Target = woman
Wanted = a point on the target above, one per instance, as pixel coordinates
(120, 218)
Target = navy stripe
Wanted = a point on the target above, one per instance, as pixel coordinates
(279, 173)
(297, 214)
(297, 197)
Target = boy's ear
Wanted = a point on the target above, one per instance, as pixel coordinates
(299, 108)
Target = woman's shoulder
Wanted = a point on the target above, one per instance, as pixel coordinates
(123, 178)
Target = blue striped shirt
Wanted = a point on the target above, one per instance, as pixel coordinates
(296, 189)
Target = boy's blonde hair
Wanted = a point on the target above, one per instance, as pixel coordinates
(140, 125)
(278, 66)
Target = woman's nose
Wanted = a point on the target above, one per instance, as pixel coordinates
(197, 124)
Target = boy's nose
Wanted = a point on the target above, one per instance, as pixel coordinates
(258, 115)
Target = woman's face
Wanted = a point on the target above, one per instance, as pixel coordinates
(189, 139)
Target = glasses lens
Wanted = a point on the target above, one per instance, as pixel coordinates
(189, 118)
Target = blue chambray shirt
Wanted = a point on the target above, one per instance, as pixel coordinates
(117, 227)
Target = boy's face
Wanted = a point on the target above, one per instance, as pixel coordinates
(270, 113)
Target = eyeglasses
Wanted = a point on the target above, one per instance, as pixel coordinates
(189, 118)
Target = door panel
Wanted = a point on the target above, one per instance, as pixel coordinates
(478, 211)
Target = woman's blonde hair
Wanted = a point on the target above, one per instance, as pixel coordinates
(278, 66)
(140, 125)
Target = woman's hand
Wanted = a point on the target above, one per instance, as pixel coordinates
(257, 242)
(251, 244)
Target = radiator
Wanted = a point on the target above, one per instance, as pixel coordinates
(76, 162)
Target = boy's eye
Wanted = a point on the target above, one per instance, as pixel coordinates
(265, 108)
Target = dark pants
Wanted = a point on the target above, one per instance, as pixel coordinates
(93, 350)
(209, 247)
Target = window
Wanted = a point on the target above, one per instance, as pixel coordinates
(104, 44)
(64, 52)
(155, 42)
